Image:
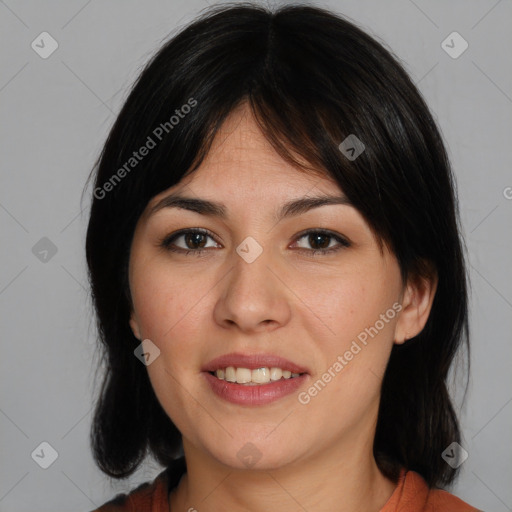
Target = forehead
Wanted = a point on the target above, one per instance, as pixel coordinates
(241, 160)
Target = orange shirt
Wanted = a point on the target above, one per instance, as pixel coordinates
(410, 495)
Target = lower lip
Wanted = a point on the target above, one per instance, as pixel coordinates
(254, 395)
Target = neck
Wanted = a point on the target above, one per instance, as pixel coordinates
(338, 478)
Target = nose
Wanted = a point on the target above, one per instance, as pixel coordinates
(253, 297)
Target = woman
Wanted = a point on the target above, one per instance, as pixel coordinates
(278, 275)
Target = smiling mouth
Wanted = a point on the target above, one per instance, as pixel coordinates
(256, 377)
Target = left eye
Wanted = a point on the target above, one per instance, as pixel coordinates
(320, 240)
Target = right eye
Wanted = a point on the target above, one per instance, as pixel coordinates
(191, 237)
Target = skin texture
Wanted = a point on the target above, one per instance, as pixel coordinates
(305, 308)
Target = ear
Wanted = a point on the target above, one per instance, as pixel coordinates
(416, 305)
(135, 326)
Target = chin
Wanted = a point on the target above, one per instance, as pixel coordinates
(255, 456)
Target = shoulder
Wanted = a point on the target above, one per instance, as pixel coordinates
(151, 496)
(413, 494)
(143, 497)
(440, 500)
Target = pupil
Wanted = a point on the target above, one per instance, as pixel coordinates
(192, 237)
(314, 238)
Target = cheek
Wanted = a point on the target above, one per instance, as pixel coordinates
(165, 301)
(351, 319)
(172, 308)
(341, 305)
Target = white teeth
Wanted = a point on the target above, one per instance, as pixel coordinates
(260, 375)
(275, 373)
(243, 375)
(230, 374)
(253, 377)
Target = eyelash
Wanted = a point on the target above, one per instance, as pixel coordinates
(166, 242)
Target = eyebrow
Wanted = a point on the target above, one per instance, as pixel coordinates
(211, 208)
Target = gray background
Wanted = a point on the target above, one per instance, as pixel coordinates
(56, 113)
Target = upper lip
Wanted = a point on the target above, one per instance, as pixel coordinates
(252, 362)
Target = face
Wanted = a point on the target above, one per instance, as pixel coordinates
(258, 288)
